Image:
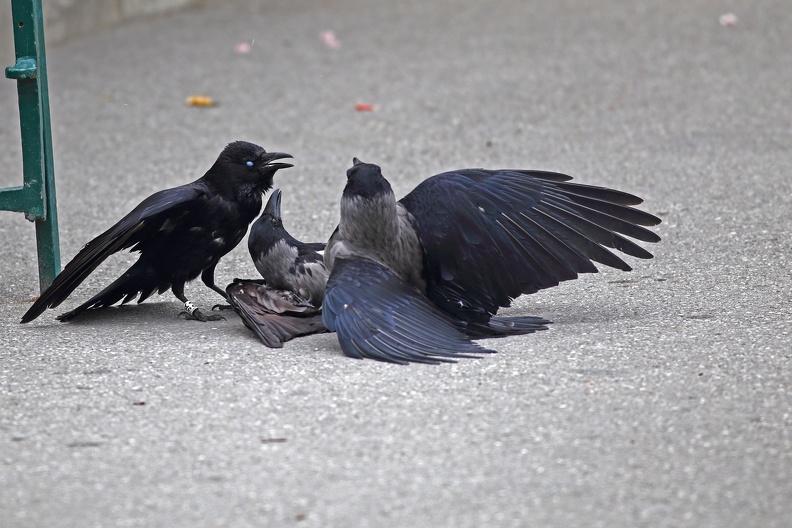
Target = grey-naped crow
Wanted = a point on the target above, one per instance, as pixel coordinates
(287, 302)
(415, 280)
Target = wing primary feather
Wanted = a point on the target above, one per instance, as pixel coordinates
(605, 220)
(598, 193)
(567, 256)
(582, 243)
(617, 209)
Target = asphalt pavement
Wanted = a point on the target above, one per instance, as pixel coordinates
(659, 397)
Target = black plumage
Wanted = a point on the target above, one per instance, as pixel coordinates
(470, 241)
(273, 314)
(377, 315)
(180, 233)
(287, 302)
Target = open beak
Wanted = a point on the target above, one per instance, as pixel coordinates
(267, 158)
(273, 207)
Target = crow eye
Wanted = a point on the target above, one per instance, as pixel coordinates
(249, 163)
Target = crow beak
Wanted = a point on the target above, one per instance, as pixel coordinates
(273, 207)
(266, 159)
(356, 162)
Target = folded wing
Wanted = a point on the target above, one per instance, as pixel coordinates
(152, 214)
(377, 315)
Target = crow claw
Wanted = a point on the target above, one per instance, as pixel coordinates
(198, 315)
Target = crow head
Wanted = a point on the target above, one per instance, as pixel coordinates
(365, 180)
(242, 162)
(268, 230)
(272, 211)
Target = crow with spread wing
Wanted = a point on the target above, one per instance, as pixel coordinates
(417, 280)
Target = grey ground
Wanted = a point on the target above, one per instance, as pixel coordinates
(659, 397)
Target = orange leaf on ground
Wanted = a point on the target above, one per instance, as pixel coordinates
(200, 100)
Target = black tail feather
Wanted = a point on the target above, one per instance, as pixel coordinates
(138, 279)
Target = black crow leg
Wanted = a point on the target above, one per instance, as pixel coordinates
(191, 311)
(208, 278)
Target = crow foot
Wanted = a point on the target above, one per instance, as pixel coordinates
(192, 313)
(198, 315)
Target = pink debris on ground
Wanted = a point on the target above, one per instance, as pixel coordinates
(243, 48)
(364, 107)
(728, 19)
(330, 40)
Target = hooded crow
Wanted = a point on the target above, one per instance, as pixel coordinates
(287, 302)
(418, 279)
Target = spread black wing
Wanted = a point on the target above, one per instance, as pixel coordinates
(157, 212)
(377, 315)
(491, 235)
(274, 315)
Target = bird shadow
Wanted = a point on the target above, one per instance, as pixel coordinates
(126, 314)
(577, 313)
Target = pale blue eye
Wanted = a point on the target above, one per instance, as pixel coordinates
(249, 163)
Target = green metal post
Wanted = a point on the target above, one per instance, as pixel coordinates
(36, 197)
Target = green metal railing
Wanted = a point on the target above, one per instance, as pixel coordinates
(36, 197)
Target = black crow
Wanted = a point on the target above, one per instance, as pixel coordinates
(287, 303)
(417, 279)
(180, 233)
